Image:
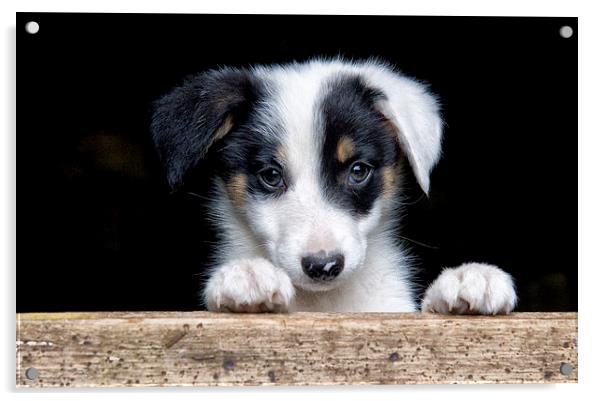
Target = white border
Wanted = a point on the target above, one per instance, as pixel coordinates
(590, 199)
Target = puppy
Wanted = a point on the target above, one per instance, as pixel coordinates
(307, 180)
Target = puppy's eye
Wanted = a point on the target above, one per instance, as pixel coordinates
(359, 173)
(271, 178)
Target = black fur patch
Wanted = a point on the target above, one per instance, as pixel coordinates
(348, 111)
(247, 150)
(186, 120)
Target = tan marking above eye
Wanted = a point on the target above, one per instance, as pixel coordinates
(390, 175)
(224, 128)
(392, 128)
(345, 149)
(237, 189)
(221, 131)
(281, 155)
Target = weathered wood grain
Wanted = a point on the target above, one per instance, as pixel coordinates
(206, 349)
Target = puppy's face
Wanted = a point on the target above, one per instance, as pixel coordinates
(313, 170)
(309, 158)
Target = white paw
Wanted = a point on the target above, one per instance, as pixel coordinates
(472, 288)
(249, 285)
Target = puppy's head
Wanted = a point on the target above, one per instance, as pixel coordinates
(307, 154)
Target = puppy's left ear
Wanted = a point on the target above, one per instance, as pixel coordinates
(414, 113)
(188, 120)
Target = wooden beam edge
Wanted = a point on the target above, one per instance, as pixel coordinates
(114, 349)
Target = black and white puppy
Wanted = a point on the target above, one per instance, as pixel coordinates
(307, 187)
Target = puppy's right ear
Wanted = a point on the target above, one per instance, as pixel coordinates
(189, 119)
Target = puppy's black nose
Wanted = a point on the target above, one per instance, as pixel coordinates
(321, 266)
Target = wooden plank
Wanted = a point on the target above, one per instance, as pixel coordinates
(207, 349)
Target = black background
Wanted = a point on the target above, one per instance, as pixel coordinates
(99, 229)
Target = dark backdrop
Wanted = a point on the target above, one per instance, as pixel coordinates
(99, 230)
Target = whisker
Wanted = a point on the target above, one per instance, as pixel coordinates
(419, 243)
(205, 198)
(410, 203)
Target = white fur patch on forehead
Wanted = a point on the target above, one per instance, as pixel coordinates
(297, 91)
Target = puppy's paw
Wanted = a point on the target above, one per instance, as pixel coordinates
(472, 288)
(249, 285)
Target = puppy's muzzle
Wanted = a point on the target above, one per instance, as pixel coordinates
(323, 267)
